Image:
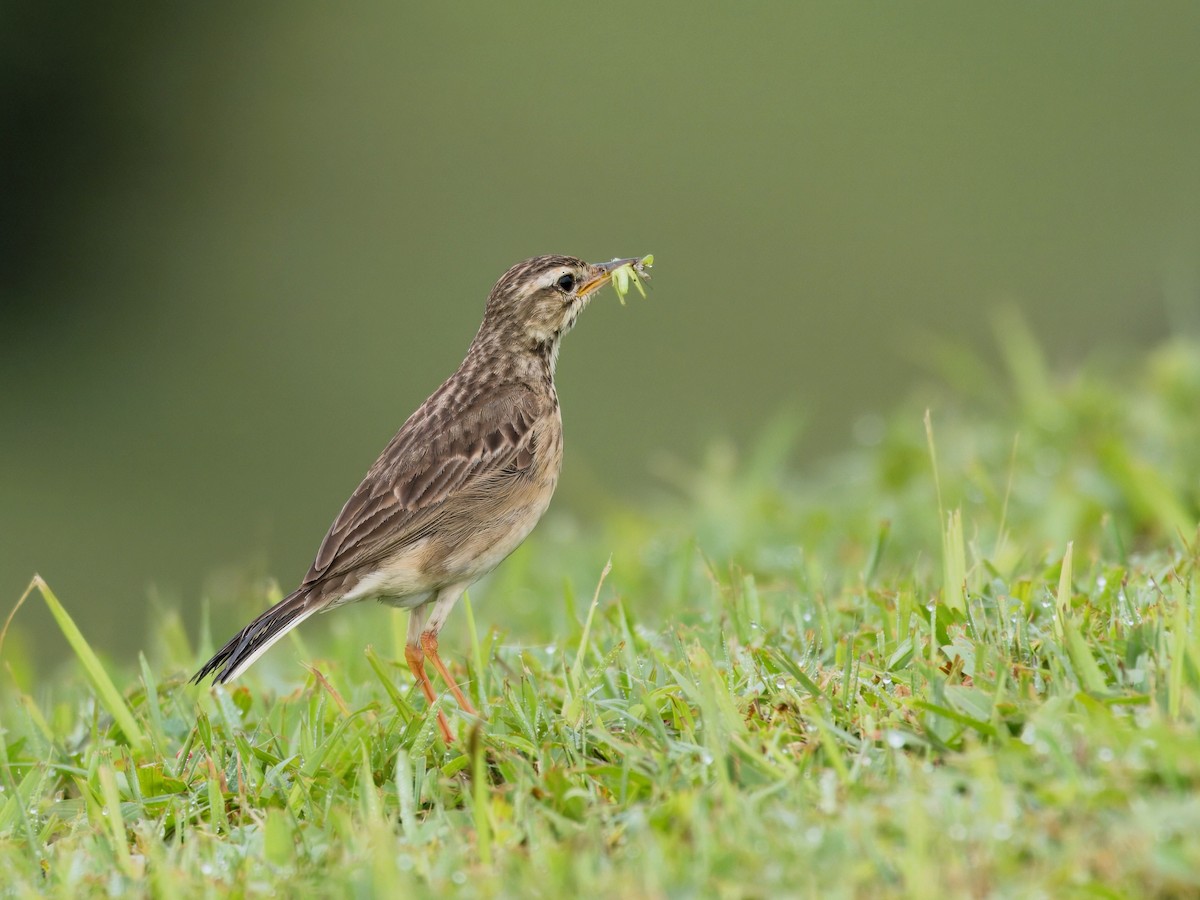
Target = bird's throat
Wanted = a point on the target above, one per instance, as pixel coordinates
(547, 354)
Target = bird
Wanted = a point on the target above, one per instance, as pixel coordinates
(460, 485)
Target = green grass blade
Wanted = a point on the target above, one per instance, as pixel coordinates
(1062, 599)
(1090, 677)
(106, 692)
(577, 668)
(954, 557)
(111, 797)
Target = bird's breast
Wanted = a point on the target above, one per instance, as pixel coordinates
(501, 513)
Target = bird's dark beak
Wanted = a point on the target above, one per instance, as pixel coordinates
(605, 269)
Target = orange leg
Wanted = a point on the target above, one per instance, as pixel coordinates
(429, 644)
(416, 662)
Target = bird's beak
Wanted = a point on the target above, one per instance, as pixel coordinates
(605, 269)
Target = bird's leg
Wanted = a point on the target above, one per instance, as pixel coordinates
(415, 657)
(446, 598)
(429, 644)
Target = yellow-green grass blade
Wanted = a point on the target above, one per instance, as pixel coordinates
(106, 692)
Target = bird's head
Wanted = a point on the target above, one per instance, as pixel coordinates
(537, 301)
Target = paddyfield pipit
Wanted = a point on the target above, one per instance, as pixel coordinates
(460, 485)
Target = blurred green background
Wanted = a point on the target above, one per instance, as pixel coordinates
(239, 245)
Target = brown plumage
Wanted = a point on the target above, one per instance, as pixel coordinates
(460, 485)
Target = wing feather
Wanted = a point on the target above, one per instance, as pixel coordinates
(437, 454)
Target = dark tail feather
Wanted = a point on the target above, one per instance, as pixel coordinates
(253, 640)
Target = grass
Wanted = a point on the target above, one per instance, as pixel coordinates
(962, 659)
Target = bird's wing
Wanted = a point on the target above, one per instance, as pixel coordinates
(443, 450)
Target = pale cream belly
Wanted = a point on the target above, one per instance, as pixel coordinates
(413, 577)
(488, 547)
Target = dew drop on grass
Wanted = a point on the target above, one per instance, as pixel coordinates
(1105, 754)
(895, 739)
(885, 678)
(706, 758)
(780, 682)
(459, 877)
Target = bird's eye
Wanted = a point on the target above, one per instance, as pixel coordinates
(566, 283)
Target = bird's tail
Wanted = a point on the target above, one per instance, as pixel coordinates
(254, 640)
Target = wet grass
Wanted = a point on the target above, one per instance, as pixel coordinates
(962, 659)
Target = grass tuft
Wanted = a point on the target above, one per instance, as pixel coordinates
(870, 681)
